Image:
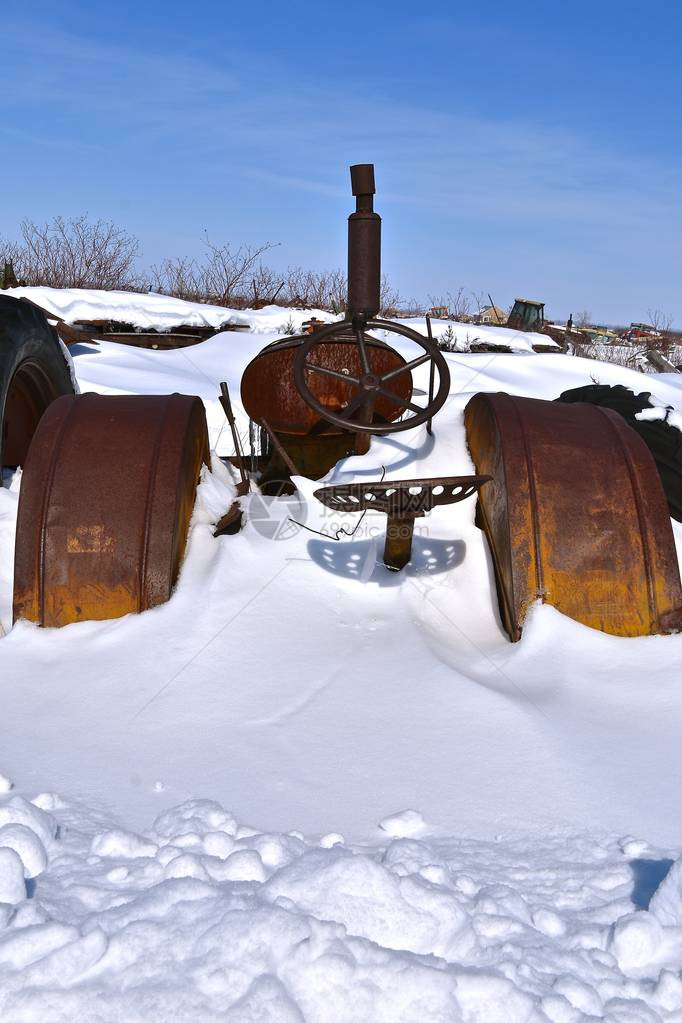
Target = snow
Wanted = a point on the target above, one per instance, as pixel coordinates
(12, 886)
(463, 335)
(310, 789)
(147, 311)
(666, 905)
(439, 928)
(151, 311)
(27, 845)
(660, 412)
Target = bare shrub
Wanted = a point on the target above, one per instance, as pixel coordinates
(662, 323)
(79, 253)
(265, 285)
(179, 277)
(389, 298)
(227, 273)
(328, 289)
(74, 252)
(659, 320)
(310, 289)
(458, 303)
(224, 276)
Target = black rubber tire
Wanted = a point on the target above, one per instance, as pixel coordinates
(663, 440)
(33, 372)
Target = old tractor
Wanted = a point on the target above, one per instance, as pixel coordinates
(568, 495)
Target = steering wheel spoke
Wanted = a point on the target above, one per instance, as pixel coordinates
(397, 400)
(409, 366)
(364, 357)
(357, 401)
(312, 367)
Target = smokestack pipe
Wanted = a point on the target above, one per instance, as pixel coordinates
(364, 246)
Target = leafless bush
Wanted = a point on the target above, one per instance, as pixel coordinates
(659, 320)
(311, 289)
(179, 277)
(228, 273)
(481, 300)
(327, 289)
(662, 323)
(79, 253)
(389, 298)
(74, 253)
(238, 278)
(410, 308)
(266, 285)
(458, 303)
(224, 276)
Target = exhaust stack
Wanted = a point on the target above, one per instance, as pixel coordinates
(364, 247)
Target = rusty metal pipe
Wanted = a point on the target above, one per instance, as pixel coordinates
(364, 246)
(398, 543)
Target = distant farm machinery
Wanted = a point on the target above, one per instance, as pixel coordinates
(568, 496)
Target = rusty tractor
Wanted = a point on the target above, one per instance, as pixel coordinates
(568, 495)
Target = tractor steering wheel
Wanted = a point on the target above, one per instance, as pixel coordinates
(369, 387)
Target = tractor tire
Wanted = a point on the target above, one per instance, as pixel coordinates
(33, 372)
(663, 440)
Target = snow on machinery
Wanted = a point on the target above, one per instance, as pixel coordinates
(568, 496)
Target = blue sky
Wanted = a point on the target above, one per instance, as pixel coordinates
(528, 148)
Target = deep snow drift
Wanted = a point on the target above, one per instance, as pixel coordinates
(295, 682)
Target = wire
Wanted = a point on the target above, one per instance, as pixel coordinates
(342, 529)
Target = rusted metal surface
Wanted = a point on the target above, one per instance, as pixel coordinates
(226, 403)
(292, 469)
(319, 390)
(371, 390)
(364, 246)
(233, 519)
(575, 515)
(106, 498)
(402, 501)
(268, 388)
(314, 455)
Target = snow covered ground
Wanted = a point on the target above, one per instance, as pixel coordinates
(222, 765)
(151, 311)
(463, 335)
(146, 311)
